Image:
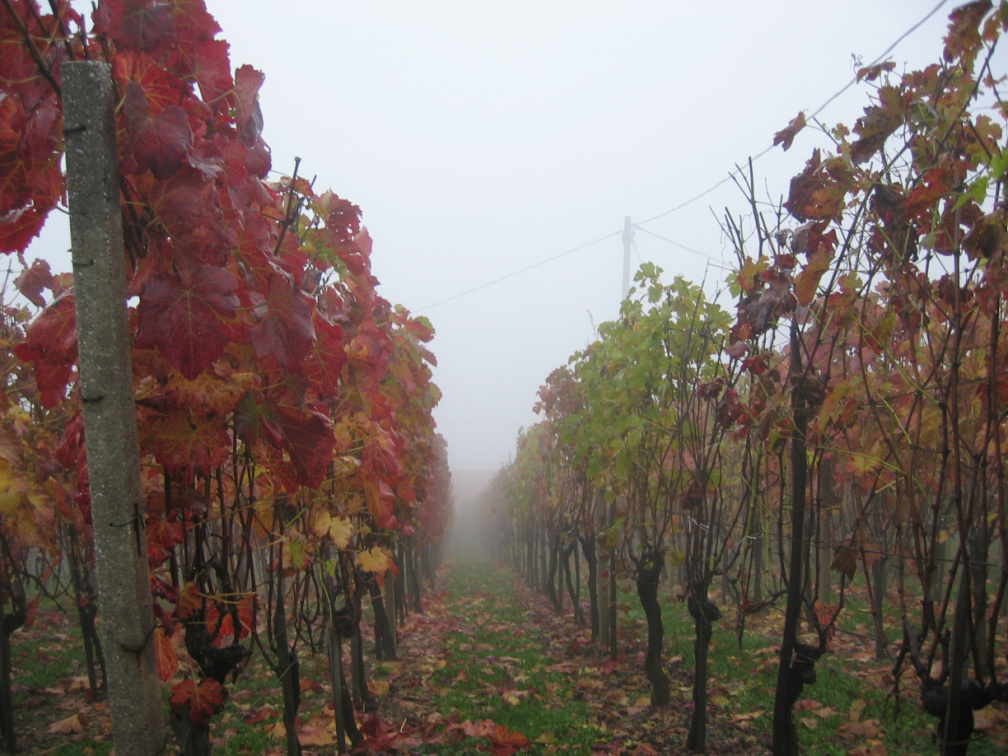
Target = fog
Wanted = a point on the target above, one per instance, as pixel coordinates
(468, 527)
(495, 149)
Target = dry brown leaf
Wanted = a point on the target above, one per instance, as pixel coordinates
(72, 725)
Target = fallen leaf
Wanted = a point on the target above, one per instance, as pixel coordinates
(867, 728)
(316, 736)
(856, 708)
(747, 716)
(72, 725)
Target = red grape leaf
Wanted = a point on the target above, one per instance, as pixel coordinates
(160, 87)
(189, 208)
(309, 440)
(878, 123)
(51, 346)
(287, 332)
(33, 281)
(342, 217)
(921, 202)
(818, 191)
(19, 227)
(14, 189)
(155, 25)
(248, 117)
(31, 181)
(326, 360)
(203, 700)
(420, 327)
(184, 446)
(190, 323)
(963, 37)
(136, 24)
(256, 417)
(160, 142)
(163, 533)
(212, 70)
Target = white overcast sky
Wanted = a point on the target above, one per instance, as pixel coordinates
(481, 138)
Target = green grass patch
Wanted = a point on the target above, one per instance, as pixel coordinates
(496, 668)
(847, 706)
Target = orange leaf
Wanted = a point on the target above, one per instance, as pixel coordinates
(808, 280)
(204, 700)
(246, 615)
(316, 736)
(501, 735)
(72, 725)
(786, 136)
(189, 602)
(867, 728)
(167, 659)
(31, 611)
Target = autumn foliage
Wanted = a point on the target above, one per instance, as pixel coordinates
(860, 385)
(284, 407)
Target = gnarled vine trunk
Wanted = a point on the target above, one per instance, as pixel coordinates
(588, 548)
(648, 577)
(704, 614)
(385, 649)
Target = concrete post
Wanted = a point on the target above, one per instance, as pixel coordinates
(127, 621)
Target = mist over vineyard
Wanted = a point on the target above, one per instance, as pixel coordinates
(761, 509)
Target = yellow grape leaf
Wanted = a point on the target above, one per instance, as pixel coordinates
(296, 556)
(339, 529)
(345, 466)
(857, 708)
(276, 730)
(375, 560)
(10, 500)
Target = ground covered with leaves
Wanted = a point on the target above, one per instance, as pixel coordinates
(490, 667)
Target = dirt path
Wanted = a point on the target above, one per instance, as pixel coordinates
(489, 653)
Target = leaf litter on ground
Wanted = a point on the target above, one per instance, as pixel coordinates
(490, 667)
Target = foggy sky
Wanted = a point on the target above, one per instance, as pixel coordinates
(481, 138)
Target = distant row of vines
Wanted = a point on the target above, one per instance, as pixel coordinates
(292, 473)
(849, 417)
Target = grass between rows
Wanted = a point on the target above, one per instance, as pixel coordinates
(848, 710)
(482, 653)
(494, 668)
